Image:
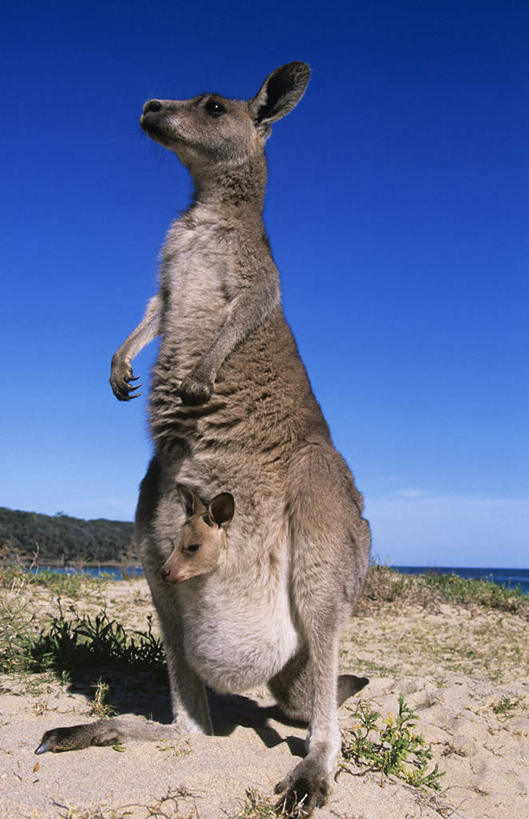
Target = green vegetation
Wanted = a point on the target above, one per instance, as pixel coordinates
(386, 585)
(89, 642)
(503, 707)
(35, 641)
(393, 748)
(62, 539)
(71, 644)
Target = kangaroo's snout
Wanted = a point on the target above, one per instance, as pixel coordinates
(152, 105)
(172, 574)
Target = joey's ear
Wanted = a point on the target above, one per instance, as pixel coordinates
(188, 499)
(279, 94)
(221, 509)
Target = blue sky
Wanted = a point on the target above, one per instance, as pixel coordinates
(397, 211)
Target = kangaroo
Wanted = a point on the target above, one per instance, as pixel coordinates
(231, 405)
(202, 536)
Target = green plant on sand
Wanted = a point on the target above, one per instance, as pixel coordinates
(392, 747)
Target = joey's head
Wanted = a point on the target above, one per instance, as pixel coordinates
(212, 134)
(202, 537)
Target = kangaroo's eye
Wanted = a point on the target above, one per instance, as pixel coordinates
(192, 548)
(214, 108)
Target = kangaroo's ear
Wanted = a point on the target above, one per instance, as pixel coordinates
(279, 94)
(187, 498)
(221, 509)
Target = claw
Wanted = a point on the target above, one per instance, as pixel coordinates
(304, 789)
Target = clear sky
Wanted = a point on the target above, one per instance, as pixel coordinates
(397, 209)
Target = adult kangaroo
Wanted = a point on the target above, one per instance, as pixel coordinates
(232, 408)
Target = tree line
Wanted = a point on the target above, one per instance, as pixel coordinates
(63, 540)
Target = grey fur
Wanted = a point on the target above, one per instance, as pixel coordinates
(231, 406)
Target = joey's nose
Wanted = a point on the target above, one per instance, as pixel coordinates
(152, 105)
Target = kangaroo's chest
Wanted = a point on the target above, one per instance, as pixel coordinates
(237, 638)
(198, 276)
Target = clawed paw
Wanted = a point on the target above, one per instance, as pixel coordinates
(304, 789)
(194, 391)
(121, 379)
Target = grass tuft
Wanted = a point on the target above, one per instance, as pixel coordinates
(70, 643)
(88, 642)
(504, 706)
(99, 707)
(258, 806)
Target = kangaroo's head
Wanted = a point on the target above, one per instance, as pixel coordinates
(212, 132)
(203, 534)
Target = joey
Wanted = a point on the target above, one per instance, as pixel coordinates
(202, 537)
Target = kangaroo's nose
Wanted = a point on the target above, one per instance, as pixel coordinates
(152, 105)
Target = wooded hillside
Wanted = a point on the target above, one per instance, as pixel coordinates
(62, 539)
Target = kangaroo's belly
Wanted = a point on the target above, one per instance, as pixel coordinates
(234, 641)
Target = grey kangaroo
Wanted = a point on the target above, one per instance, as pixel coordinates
(231, 405)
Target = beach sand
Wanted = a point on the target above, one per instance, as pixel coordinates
(463, 670)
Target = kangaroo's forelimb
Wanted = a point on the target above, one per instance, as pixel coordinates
(121, 374)
(248, 311)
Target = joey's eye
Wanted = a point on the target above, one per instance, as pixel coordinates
(214, 108)
(192, 548)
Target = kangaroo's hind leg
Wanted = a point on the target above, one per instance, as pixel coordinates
(329, 558)
(159, 515)
(292, 687)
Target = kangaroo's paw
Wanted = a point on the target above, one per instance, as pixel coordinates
(194, 390)
(121, 378)
(305, 788)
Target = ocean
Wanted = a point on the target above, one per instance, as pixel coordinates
(503, 577)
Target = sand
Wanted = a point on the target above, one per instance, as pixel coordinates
(464, 671)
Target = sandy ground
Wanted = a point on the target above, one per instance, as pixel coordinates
(455, 666)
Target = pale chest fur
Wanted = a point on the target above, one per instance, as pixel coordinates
(238, 635)
(198, 279)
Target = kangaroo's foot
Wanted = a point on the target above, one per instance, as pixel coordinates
(305, 788)
(102, 732)
(105, 732)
